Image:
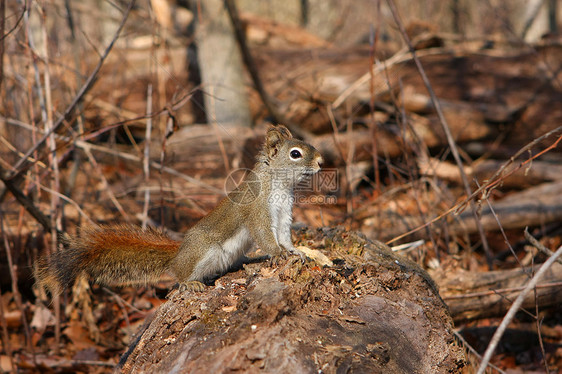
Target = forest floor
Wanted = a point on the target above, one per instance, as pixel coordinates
(391, 172)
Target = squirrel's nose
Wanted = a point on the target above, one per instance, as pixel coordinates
(319, 160)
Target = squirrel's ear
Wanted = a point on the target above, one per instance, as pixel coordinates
(275, 136)
(284, 131)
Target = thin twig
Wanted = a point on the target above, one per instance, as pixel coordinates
(346, 160)
(335, 132)
(104, 183)
(20, 18)
(509, 300)
(11, 147)
(372, 123)
(2, 27)
(215, 125)
(417, 146)
(170, 127)
(505, 239)
(73, 363)
(399, 57)
(538, 322)
(56, 222)
(146, 160)
(538, 245)
(45, 101)
(348, 170)
(124, 302)
(68, 200)
(474, 351)
(514, 308)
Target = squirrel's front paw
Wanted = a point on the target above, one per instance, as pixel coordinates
(191, 286)
(294, 251)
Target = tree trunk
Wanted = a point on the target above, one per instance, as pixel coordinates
(220, 63)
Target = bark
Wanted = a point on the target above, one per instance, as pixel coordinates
(370, 312)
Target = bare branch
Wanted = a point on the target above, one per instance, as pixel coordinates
(514, 309)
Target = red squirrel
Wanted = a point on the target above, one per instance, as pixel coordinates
(258, 211)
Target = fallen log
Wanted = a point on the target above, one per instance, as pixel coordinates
(481, 86)
(372, 311)
(537, 172)
(534, 206)
(475, 295)
(207, 146)
(211, 145)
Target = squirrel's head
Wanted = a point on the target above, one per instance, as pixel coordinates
(293, 159)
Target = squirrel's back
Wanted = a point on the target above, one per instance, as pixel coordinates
(111, 255)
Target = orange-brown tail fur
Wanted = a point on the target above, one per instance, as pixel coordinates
(111, 255)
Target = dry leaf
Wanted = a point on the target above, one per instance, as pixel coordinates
(42, 318)
(316, 256)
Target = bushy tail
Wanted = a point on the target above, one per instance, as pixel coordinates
(111, 255)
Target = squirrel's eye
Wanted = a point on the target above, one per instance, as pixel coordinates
(295, 154)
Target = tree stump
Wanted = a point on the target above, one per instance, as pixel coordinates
(370, 311)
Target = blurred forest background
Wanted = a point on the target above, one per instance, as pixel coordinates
(137, 111)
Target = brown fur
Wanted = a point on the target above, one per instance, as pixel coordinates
(106, 254)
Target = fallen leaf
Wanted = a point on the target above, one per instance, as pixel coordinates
(42, 318)
(316, 256)
(229, 308)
